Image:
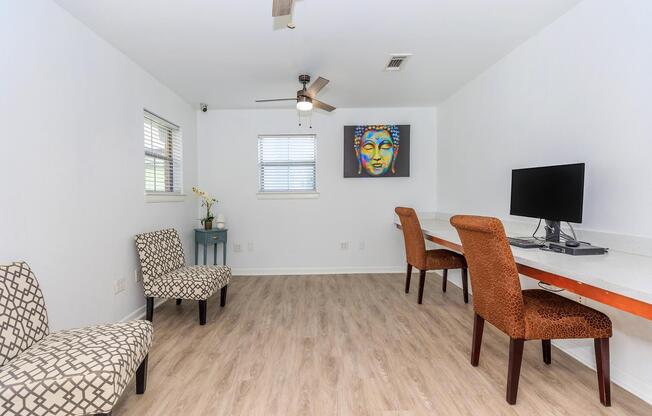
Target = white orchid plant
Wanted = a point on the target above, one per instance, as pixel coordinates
(206, 201)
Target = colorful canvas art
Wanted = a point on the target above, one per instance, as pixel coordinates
(376, 151)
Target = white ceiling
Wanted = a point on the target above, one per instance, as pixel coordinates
(228, 53)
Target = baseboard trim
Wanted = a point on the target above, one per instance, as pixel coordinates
(237, 271)
(140, 312)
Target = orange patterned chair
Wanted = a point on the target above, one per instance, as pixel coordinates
(424, 260)
(523, 314)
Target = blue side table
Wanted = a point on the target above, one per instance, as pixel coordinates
(206, 237)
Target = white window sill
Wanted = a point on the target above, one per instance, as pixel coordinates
(163, 197)
(287, 195)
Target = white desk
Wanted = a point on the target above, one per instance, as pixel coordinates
(618, 279)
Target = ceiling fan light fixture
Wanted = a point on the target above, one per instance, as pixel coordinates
(305, 98)
(304, 103)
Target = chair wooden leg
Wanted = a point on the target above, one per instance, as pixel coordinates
(223, 296)
(602, 365)
(547, 353)
(465, 284)
(444, 280)
(407, 278)
(514, 368)
(178, 301)
(150, 308)
(141, 376)
(422, 282)
(202, 312)
(478, 328)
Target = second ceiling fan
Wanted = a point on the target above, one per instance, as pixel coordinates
(306, 96)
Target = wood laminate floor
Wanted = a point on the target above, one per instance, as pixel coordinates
(349, 345)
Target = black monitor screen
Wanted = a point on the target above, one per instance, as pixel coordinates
(553, 193)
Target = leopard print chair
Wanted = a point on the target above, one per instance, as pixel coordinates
(165, 275)
(424, 260)
(523, 314)
(74, 372)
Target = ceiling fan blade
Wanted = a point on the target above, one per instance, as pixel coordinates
(281, 8)
(276, 99)
(316, 86)
(318, 104)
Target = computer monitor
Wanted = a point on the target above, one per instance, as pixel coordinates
(552, 193)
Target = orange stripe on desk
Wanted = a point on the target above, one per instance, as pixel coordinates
(615, 300)
(624, 303)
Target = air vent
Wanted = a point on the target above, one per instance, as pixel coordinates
(396, 61)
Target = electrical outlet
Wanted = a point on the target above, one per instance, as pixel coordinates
(344, 245)
(361, 246)
(237, 248)
(119, 286)
(580, 299)
(250, 247)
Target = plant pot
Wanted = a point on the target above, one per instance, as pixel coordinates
(208, 225)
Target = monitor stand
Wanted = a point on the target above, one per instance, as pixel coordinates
(553, 230)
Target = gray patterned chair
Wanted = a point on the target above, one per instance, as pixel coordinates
(74, 372)
(165, 275)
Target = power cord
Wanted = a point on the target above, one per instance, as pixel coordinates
(564, 235)
(572, 230)
(537, 230)
(545, 286)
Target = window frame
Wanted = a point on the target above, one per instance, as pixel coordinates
(170, 194)
(287, 194)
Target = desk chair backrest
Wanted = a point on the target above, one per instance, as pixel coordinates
(23, 318)
(415, 246)
(160, 253)
(497, 295)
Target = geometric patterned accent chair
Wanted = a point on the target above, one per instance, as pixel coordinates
(73, 372)
(417, 255)
(165, 275)
(523, 314)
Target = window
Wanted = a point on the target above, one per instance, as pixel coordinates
(287, 164)
(163, 170)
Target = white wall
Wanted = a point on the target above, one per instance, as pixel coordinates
(71, 164)
(300, 236)
(577, 92)
(71, 161)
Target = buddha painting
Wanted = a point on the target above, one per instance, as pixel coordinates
(374, 150)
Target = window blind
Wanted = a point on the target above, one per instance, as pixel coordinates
(287, 163)
(163, 155)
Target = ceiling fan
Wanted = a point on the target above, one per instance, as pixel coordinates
(306, 96)
(281, 8)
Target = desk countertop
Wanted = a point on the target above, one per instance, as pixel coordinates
(619, 272)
